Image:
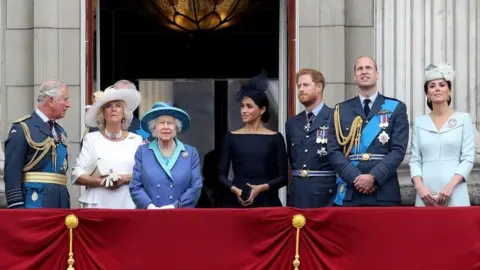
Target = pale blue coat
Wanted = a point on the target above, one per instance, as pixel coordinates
(438, 155)
(161, 182)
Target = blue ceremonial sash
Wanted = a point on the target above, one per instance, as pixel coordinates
(369, 133)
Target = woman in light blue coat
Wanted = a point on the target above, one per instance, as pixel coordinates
(167, 173)
(443, 145)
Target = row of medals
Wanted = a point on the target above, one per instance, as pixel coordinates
(322, 134)
(321, 138)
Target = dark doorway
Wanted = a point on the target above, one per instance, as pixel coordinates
(205, 68)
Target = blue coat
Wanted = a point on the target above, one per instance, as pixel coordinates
(389, 155)
(304, 152)
(40, 189)
(177, 182)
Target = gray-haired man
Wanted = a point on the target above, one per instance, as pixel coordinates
(36, 153)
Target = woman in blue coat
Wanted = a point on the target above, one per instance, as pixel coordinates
(167, 173)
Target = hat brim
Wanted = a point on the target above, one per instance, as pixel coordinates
(131, 98)
(176, 113)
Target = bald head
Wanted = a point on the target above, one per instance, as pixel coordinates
(124, 84)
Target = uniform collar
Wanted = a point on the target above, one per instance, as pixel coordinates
(372, 98)
(317, 109)
(42, 115)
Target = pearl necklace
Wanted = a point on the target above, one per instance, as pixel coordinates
(113, 136)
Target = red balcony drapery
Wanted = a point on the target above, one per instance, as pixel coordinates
(333, 238)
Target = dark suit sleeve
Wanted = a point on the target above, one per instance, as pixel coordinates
(282, 164)
(340, 163)
(287, 138)
(16, 148)
(398, 147)
(224, 163)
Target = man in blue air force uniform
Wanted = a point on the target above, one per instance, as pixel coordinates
(36, 153)
(313, 182)
(367, 142)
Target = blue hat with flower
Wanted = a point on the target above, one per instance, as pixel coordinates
(162, 108)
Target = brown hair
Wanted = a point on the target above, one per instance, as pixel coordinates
(317, 76)
(429, 102)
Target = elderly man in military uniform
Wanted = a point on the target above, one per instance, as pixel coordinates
(313, 182)
(367, 142)
(36, 153)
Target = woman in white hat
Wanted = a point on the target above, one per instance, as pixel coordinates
(106, 160)
(167, 172)
(443, 145)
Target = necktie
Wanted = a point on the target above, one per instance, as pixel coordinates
(310, 117)
(51, 123)
(366, 108)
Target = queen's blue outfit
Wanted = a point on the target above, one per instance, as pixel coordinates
(159, 182)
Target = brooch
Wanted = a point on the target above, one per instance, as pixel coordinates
(452, 123)
(184, 154)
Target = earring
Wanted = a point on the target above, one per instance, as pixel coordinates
(123, 119)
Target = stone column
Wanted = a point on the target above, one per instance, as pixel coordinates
(56, 55)
(153, 91)
(322, 44)
(412, 34)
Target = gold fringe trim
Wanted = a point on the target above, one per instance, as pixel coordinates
(71, 221)
(298, 222)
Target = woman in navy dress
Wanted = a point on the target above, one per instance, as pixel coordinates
(257, 154)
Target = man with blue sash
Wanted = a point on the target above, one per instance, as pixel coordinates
(36, 153)
(367, 142)
(313, 182)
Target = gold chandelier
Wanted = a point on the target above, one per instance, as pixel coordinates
(197, 15)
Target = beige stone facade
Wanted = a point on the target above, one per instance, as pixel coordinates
(41, 39)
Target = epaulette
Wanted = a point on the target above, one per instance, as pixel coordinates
(21, 119)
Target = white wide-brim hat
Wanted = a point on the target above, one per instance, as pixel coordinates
(131, 98)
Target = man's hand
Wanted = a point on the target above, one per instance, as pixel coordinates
(364, 183)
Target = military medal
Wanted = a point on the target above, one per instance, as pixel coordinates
(383, 137)
(322, 152)
(383, 121)
(34, 196)
(307, 126)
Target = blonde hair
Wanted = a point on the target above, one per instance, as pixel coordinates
(126, 119)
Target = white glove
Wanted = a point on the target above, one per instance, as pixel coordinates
(169, 206)
(152, 206)
(110, 179)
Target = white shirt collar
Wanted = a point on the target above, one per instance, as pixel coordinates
(42, 115)
(317, 109)
(372, 99)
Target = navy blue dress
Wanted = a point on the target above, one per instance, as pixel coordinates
(256, 159)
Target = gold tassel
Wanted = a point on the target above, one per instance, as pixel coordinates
(71, 221)
(298, 222)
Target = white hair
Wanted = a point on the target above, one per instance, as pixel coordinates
(124, 84)
(49, 89)
(126, 120)
(153, 123)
